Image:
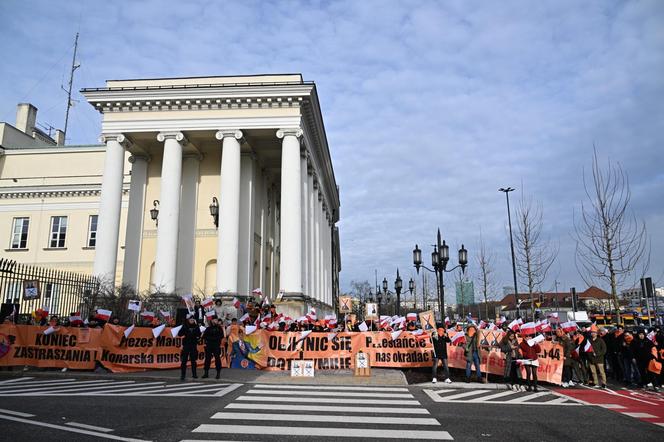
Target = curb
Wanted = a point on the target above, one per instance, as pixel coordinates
(462, 385)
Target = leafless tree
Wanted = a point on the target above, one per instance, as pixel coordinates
(610, 241)
(485, 273)
(535, 254)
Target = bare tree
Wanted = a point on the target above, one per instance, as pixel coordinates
(485, 273)
(610, 241)
(362, 291)
(535, 254)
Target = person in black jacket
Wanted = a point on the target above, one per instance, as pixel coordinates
(642, 349)
(440, 340)
(191, 333)
(212, 337)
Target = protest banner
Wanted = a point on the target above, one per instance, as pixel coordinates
(79, 348)
(64, 348)
(345, 304)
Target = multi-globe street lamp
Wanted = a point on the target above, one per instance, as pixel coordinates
(398, 286)
(507, 191)
(439, 259)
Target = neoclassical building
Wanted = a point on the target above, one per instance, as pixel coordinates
(204, 185)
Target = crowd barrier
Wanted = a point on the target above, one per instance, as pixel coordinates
(81, 348)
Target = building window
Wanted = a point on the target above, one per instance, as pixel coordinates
(58, 232)
(92, 231)
(20, 233)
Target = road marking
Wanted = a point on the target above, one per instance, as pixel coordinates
(328, 408)
(493, 396)
(529, 397)
(164, 389)
(123, 388)
(325, 387)
(639, 415)
(44, 389)
(332, 393)
(341, 432)
(71, 430)
(9, 381)
(327, 418)
(73, 389)
(319, 400)
(16, 413)
(89, 427)
(228, 389)
(31, 383)
(462, 395)
(611, 406)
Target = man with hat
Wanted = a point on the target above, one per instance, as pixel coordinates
(213, 335)
(190, 332)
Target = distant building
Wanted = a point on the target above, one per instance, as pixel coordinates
(465, 292)
(634, 296)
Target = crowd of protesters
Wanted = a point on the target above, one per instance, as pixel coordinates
(632, 357)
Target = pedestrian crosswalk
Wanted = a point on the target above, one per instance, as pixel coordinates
(28, 386)
(480, 396)
(318, 412)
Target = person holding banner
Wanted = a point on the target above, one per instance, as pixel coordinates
(472, 353)
(530, 362)
(191, 333)
(440, 340)
(213, 336)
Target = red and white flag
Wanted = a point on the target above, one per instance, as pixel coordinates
(148, 316)
(545, 326)
(447, 321)
(500, 321)
(568, 326)
(244, 317)
(458, 336)
(492, 326)
(411, 317)
(236, 303)
(211, 314)
(102, 314)
(311, 316)
(207, 302)
(76, 319)
(588, 348)
(128, 330)
(553, 318)
(164, 314)
(482, 325)
(651, 336)
(576, 351)
(514, 325)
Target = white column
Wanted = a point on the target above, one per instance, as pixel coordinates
(135, 217)
(229, 212)
(187, 229)
(311, 228)
(108, 223)
(317, 241)
(169, 212)
(328, 263)
(304, 182)
(290, 269)
(246, 227)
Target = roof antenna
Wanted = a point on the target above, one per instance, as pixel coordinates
(74, 66)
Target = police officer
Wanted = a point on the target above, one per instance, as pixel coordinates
(212, 337)
(191, 333)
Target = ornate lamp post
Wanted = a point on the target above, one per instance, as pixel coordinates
(507, 191)
(439, 259)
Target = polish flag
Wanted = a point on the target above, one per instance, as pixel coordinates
(651, 336)
(514, 325)
(211, 314)
(569, 326)
(482, 325)
(553, 317)
(528, 328)
(492, 326)
(332, 323)
(207, 302)
(157, 330)
(411, 317)
(501, 320)
(545, 326)
(76, 319)
(148, 316)
(175, 330)
(236, 303)
(128, 330)
(273, 326)
(267, 318)
(576, 351)
(102, 314)
(165, 315)
(244, 317)
(447, 321)
(277, 318)
(257, 291)
(458, 336)
(311, 316)
(588, 348)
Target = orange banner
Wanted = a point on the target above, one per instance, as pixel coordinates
(80, 348)
(74, 348)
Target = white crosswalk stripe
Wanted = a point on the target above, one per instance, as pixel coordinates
(502, 397)
(320, 412)
(108, 387)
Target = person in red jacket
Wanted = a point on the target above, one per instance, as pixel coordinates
(531, 363)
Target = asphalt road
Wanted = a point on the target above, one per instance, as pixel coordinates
(82, 410)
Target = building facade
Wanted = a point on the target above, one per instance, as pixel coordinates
(465, 292)
(138, 209)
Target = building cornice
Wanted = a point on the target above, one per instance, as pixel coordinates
(56, 191)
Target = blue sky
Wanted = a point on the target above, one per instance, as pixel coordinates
(430, 106)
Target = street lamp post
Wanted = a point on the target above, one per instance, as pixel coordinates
(398, 286)
(507, 191)
(439, 259)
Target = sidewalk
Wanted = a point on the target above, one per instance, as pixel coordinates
(379, 377)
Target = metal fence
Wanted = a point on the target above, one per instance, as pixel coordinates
(35, 287)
